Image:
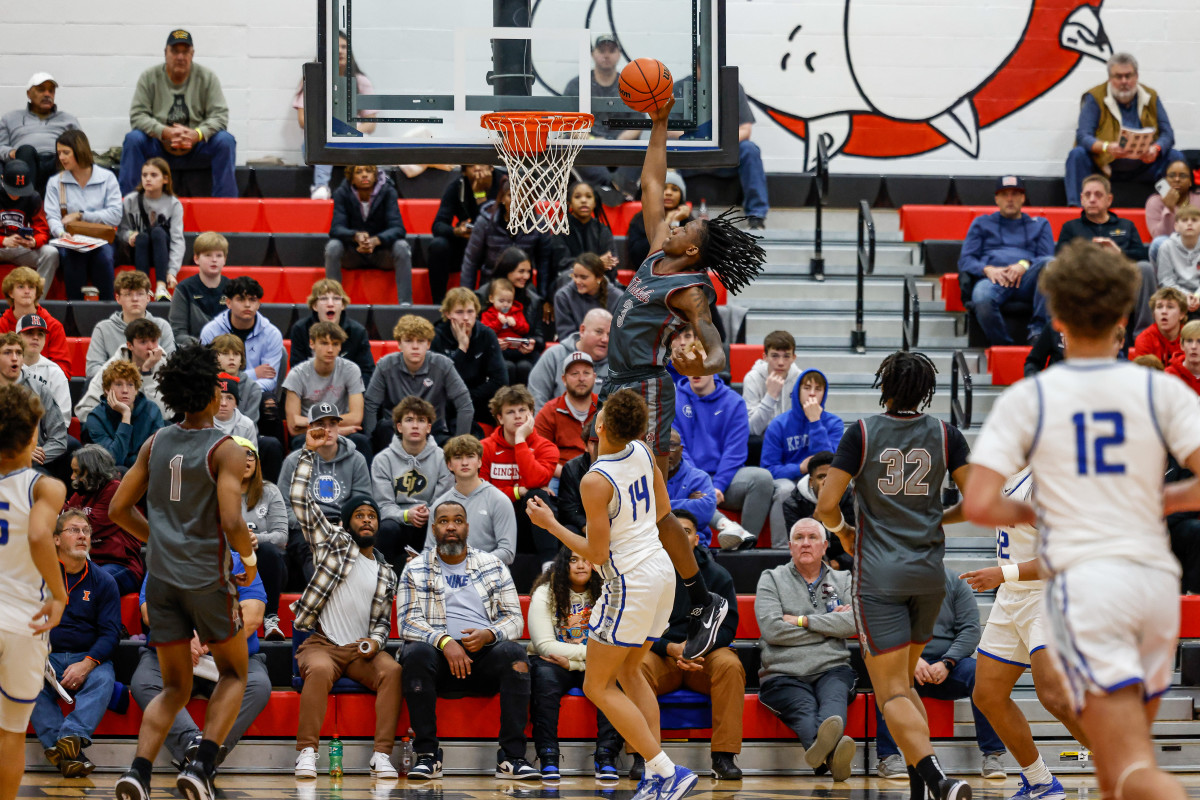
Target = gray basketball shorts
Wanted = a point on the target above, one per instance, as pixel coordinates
(890, 622)
(659, 393)
(175, 612)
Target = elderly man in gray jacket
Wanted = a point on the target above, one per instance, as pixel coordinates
(806, 679)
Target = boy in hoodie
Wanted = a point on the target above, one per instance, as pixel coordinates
(768, 386)
(802, 503)
(714, 427)
(1187, 368)
(133, 293)
(262, 341)
(415, 372)
(33, 328)
(1161, 339)
(1178, 258)
(228, 418)
(202, 296)
(125, 419)
(141, 349)
(367, 230)
(339, 473)
(690, 488)
(405, 477)
(493, 523)
(23, 288)
(520, 463)
(328, 301)
(793, 438)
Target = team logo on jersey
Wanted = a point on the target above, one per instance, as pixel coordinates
(625, 307)
(687, 411)
(505, 472)
(261, 510)
(637, 288)
(328, 489)
(410, 483)
(87, 595)
(428, 382)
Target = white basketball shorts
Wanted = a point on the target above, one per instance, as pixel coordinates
(1014, 628)
(635, 606)
(22, 673)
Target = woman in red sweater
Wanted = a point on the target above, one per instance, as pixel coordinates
(520, 463)
(94, 479)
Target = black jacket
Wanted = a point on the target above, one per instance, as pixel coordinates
(570, 504)
(719, 581)
(383, 215)
(1121, 231)
(490, 237)
(357, 346)
(482, 367)
(1046, 351)
(593, 237)
(458, 205)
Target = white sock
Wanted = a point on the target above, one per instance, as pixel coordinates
(1037, 773)
(660, 766)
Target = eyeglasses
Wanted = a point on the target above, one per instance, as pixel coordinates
(76, 529)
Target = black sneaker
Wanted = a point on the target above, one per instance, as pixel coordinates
(954, 789)
(194, 782)
(428, 766)
(606, 770)
(756, 223)
(638, 770)
(703, 625)
(548, 760)
(516, 768)
(724, 768)
(130, 787)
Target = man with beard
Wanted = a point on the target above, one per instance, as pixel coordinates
(460, 619)
(347, 607)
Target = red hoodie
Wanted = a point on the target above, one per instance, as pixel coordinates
(491, 318)
(530, 464)
(1180, 371)
(56, 337)
(1151, 342)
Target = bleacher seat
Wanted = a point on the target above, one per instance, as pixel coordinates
(951, 222)
(418, 215)
(951, 292)
(377, 285)
(77, 347)
(741, 360)
(294, 215)
(1007, 363)
(232, 214)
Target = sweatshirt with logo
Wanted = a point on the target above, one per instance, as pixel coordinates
(791, 437)
(530, 464)
(401, 481)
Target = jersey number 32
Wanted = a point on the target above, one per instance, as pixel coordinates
(895, 461)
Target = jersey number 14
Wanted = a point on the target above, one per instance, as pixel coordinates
(639, 491)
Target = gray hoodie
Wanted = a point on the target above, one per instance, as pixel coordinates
(1178, 266)
(333, 482)
(545, 381)
(109, 336)
(52, 429)
(761, 407)
(268, 519)
(400, 481)
(238, 425)
(791, 650)
(95, 390)
(437, 381)
(491, 520)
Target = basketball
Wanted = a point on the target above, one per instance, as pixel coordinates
(646, 84)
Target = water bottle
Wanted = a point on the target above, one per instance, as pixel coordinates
(406, 753)
(335, 757)
(703, 212)
(831, 598)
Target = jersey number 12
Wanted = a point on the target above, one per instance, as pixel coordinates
(1100, 466)
(639, 490)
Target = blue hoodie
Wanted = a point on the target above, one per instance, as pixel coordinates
(715, 430)
(687, 480)
(264, 345)
(996, 241)
(791, 438)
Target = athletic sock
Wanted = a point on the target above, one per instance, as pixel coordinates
(660, 766)
(931, 772)
(697, 590)
(206, 755)
(916, 785)
(143, 768)
(1037, 773)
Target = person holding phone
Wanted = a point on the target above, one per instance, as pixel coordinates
(24, 233)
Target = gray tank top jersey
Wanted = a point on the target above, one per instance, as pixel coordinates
(187, 546)
(897, 495)
(644, 325)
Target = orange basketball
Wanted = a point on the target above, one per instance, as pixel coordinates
(646, 84)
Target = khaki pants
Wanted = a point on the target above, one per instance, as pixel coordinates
(723, 679)
(321, 662)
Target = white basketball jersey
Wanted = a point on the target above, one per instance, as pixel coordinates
(22, 590)
(1019, 543)
(632, 515)
(1096, 433)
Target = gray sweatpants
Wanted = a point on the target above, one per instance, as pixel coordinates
(750, 492)
(397, 258)
(146, 685)
(44, 259)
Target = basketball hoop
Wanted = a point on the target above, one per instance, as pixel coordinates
(538, 163)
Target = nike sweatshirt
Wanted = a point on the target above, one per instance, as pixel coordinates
(715, 430)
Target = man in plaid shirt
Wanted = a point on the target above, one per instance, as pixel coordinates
(347, 606)
(459, 618)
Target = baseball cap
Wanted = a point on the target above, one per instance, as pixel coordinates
(1010, 182)
(38, 78)
(323, 411)
(17, 179)
(606, 38)
(180, 36)
(575, 358)
(32, 322)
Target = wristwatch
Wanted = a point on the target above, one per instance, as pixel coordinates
(949, 662)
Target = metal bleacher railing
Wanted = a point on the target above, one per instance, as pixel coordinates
(816, 264)
(910, 329)
(866, 266)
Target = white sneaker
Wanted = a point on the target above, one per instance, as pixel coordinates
(381, 767)
(320, 193)
(271, 630)
(732, 536)
(161, 293)
(306, 763)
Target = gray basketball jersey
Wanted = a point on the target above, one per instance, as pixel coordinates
(187, 547)
(898, 499)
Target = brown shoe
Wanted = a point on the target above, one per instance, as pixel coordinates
(76, 768)
(52, 755)
(69, 747)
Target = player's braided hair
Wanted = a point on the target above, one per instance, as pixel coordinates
(907, 379)
(187, 381)
(734, 255)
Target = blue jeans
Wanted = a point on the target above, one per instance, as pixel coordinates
(803, 705)
(127, 580)
(958, 684)
(1080, 165)
(91, 701)
(988, 301)
(79, 268)
(219, 152)
(751, 174)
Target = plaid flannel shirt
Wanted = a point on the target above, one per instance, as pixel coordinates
(421, 598)
(334, 553)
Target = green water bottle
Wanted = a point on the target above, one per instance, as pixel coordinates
(335, 757)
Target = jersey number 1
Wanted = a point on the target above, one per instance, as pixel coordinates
(639, 490)
(1099, 466)
(176, 465)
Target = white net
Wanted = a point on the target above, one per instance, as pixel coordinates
(538, 150)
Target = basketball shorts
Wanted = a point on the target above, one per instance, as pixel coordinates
(22, 673)
(1112, 624)
(1014, 628)
(635, 606)
(214, 614)
(890, 622)
(659, 393)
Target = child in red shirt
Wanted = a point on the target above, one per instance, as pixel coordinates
(1162, 338)
(1187, 368)
(504, 314)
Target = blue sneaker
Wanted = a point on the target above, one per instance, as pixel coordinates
(648, 788)
(1047, 791)
(1022, 790)
(678, 785)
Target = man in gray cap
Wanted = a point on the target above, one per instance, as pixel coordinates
(29, 133)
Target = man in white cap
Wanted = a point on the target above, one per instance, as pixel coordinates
(29, 133)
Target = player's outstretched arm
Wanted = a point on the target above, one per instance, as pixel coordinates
(829, 512)
(984, 502)
(48, 498)
(654, 178)
(230, 462)
(595, 492)
(133, 487)
(709, 357)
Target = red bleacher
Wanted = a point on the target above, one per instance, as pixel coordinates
(1007, 363)
(951, 222)
(285, 215)
(293, 284)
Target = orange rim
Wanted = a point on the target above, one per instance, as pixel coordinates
(528, 131)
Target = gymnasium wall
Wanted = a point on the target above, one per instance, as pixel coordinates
(895, 86)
